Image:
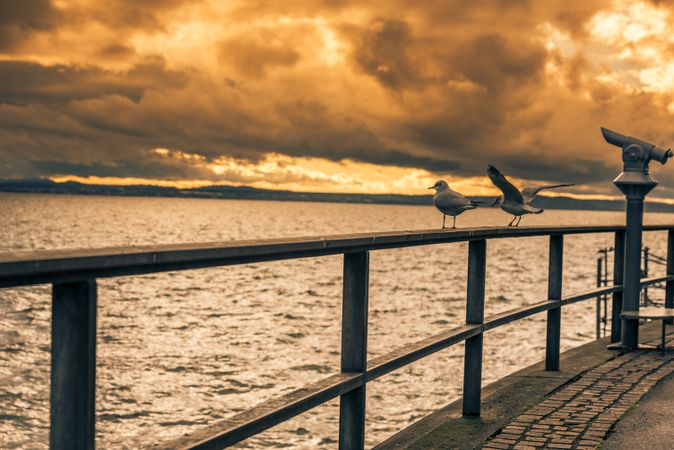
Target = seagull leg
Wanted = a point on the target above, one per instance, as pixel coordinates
(511, 222)
(518, 221)
(454, 223)
(443, 221)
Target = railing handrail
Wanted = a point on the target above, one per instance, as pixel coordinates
(73, 274)
(46, 266)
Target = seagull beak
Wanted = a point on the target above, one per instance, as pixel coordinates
(431, 187)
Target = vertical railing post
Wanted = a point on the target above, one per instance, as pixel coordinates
(73, 366)
(645, 275)
(632, 275)
(669, 286)
(598, 315)
(617, 301)
(354, 348)
(555, 267)
(472, 369)
(605, 297)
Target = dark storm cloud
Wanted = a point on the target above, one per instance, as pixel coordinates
(145, 167)
(445, 86)
(499, 64)
(31, 83)
(398, 158)
(253, 56)
(129, 14)
(20, 18)
(578, 171)
(384, 52)
(117, 51)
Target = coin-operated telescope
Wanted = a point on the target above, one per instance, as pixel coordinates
(635, 182)
(636, 156)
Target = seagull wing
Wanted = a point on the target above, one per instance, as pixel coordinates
(510, 192)
(458, 197)
(448, 199)
(530, 192)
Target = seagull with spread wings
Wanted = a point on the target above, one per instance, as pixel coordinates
(513, 201)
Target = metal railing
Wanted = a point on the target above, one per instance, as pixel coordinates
(73, 275)
(602, 310)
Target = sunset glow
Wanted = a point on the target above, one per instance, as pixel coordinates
(352, 97)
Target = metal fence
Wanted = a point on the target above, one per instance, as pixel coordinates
(73, 275)
(602, 309)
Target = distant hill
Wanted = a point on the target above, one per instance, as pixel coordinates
(41, 186)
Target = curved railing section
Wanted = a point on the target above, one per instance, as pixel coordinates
(73, 274)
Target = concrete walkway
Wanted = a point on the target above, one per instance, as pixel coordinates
(648, 425)
(581, 414)
(577, 407)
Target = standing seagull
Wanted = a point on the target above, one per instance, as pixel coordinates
(513, 201)
(450, 202)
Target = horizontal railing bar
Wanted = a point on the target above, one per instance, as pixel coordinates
(656, 280)
(35, 267)
(593, 293)
(266, 415)
(660, 263)
(512, 315)
(649, 312)
(407, 354)
(412, 352)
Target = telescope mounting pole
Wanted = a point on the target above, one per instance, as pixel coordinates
(635, 182)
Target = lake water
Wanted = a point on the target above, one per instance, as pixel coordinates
(179, 350)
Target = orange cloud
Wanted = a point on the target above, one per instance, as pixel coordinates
(366, 97)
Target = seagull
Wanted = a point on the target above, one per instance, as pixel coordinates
(513, 201)
(450, 202)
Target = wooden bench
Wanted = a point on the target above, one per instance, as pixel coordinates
(654, 313)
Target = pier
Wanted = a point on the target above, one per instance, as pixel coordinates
(73, 276)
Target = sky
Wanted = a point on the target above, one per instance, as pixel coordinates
(334, 95)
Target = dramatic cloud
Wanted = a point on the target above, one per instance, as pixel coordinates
(20, 19)
(296, 94)
(25, 83)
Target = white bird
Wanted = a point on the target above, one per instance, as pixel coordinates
(513, 201)
(449, 202)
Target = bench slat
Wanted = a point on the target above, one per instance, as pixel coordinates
(650, 312)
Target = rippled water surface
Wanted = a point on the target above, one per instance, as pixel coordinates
(179, 350)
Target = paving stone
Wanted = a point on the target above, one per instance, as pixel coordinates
(498, 440)
(557, 440)
(496, 446)
(580, 414)
(493, 445)
(509, 436)
(536, 434)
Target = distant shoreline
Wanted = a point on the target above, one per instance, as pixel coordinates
(248, 193)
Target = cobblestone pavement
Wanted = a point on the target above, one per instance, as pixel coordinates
(580, 414)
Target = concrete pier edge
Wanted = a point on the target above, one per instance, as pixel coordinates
(505, 399)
